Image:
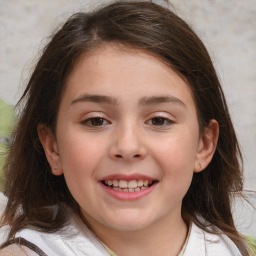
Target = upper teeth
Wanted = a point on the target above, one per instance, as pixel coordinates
(128, 184)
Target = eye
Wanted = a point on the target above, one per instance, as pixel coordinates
(95, 121)
(159, 121)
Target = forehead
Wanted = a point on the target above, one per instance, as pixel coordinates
(113, 66)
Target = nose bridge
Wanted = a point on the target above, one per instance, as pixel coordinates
(128, 142)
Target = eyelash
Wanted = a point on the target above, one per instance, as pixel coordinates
(165, 121)
(89, 122)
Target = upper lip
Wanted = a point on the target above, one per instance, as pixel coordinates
(135, 176)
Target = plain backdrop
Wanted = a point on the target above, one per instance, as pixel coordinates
(228, 29)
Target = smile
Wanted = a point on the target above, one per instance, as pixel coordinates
(128, 186)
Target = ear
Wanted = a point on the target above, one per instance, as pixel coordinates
(50, 146)
(207, 145)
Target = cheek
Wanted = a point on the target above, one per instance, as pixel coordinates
(80, 157)
(179, 152)
(80, 154)
(176, 157)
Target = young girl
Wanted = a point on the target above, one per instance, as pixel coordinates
(124, 145)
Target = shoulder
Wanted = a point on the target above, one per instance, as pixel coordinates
(72, 239)
(16, 250)
(204, 243)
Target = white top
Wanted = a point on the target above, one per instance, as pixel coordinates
(206, 244)
(77, 240)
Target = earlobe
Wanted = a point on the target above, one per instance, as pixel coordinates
(50, 146)
(207, 145)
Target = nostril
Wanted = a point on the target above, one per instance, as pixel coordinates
(135, 156)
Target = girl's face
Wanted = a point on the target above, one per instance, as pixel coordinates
(127, 139)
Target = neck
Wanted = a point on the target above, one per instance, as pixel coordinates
(165, 237)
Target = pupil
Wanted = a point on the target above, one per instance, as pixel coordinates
(158, 121)
(97, 121)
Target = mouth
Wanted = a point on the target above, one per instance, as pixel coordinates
(128, 186)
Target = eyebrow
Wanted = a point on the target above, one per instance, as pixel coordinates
(161, 99)
(96, 99)
(143, 101)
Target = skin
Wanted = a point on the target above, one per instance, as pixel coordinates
(127, 140)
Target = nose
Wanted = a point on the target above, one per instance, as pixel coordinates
(128, 144)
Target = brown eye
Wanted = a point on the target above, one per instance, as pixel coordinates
(95, 121)
(159, 121)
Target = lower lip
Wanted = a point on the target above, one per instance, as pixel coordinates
(128, 196)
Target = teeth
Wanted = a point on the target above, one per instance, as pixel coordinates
(115, 183)
(123, 184)
(128, 186)
(129, 189)
(140, 183)
(132, 184)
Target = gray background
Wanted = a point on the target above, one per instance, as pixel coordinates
(228, 29)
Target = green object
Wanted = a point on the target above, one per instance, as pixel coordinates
(7, 122)
(251, 242)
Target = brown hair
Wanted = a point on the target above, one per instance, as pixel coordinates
(30, 185)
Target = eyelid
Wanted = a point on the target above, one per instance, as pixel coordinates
(96, 117)
(165, 119)
(166, 116)
(161, 114)
(93, 115)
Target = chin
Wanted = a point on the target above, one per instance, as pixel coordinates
(128, 222)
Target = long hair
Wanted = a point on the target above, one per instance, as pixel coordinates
(32, 189)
